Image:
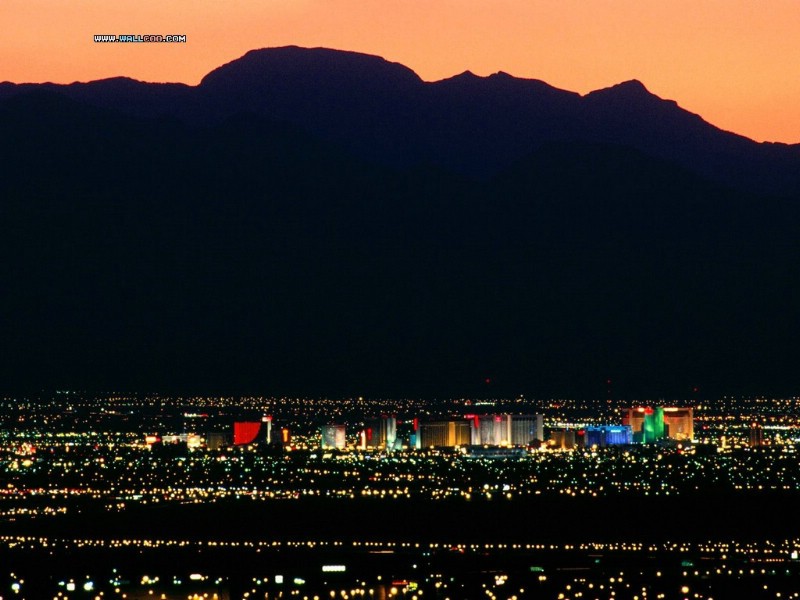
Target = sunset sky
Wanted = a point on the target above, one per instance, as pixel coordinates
(735, 62)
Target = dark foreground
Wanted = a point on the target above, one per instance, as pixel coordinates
(137, 569)
(744, 516)
(701, 546)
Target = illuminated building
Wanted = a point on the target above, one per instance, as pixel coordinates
(362, 439)
(652, 424)
(505, 430)
(563, 439)
(190, 439)
(245, 432)
(679, 423)
(608, 435)
(441, 434)
(174, 439)
(526, 429)
(492, 430)
(216, 440)
(381, 433)
(333, 436)
(756, 435)
(268, 420)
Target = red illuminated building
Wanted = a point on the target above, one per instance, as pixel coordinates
(245, 432)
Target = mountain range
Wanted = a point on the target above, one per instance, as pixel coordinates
(311, 221)
(473, 125)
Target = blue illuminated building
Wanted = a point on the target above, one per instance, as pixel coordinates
(608, 435)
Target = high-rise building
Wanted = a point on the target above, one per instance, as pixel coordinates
(679, 423)
(563, 439)
(505, 430)
(443, 434)
(381, 433)
(333, 437)
(608, 435)
(652, 424)
(653, 427)
(526, 429)
(245, 432)
(267, 419)
(491, 430)
(756, 435)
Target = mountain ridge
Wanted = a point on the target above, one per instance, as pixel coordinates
(473, 125)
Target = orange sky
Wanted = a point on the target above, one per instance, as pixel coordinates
(735, 62)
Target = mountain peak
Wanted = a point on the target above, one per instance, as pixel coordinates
(633, 89)
(633, 86)
(318, 66)
(631, 96)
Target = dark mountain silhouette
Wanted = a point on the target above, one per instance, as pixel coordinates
(475, 126)
(315, 222)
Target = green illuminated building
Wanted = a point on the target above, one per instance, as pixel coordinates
(653, 426)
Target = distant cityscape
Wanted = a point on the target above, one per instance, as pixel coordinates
(159, 449)
(131, 483)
